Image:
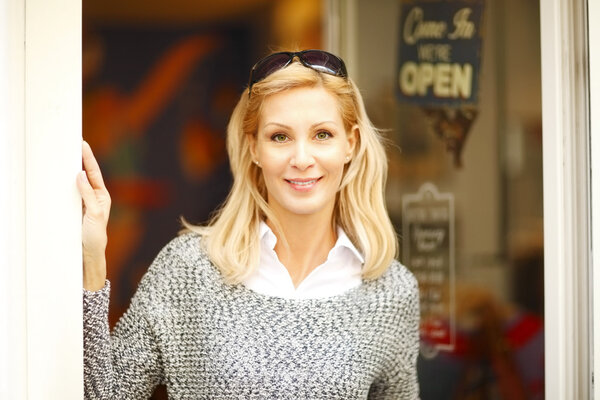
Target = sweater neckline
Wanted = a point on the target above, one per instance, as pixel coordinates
(252, 295)
(248, 293)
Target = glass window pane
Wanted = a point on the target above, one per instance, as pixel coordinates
(465, 184)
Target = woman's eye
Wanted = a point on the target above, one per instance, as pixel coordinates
(323, 135)
(279, 137)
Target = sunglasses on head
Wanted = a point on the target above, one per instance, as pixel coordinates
(318, 60)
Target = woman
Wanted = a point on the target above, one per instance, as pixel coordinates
(292, 290)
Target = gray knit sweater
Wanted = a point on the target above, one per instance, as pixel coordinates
(205, 339)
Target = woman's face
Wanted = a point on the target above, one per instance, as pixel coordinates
(302, 147)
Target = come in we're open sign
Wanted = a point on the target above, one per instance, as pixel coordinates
(440, 52)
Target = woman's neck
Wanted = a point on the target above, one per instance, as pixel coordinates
(309, 240)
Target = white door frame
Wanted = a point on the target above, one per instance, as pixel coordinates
(40, 209)
(594, 56)
(13, 311)
(567, 199)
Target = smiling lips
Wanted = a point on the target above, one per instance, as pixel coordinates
(303, 184)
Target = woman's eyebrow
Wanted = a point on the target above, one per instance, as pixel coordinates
(322, 123)
(279, 124)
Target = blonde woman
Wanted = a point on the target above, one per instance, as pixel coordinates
(292, 290)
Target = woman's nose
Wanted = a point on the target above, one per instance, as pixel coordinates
(302, 157)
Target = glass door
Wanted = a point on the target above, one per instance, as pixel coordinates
(456, 88)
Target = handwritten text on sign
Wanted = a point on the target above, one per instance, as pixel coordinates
(439, 52)
(428, 250)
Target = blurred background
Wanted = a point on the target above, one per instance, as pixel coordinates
(160, 80)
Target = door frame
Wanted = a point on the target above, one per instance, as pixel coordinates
(40, 262)
(567, 199)
(594, 72)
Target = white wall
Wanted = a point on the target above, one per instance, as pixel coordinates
(40, 210)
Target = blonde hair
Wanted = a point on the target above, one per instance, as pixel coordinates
(231, 238)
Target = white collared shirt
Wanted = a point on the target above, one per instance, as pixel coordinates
(340, 272)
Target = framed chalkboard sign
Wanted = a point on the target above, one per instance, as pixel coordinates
(428, 250)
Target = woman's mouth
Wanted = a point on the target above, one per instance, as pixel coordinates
(303, 184)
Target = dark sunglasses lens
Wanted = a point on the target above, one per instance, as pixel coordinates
(269, 65)
(325, 62)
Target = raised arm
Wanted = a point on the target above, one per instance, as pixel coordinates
(126, 365)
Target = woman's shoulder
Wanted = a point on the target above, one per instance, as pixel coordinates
(399, 279)
(182, 249)
(179, 263)
(187, 245)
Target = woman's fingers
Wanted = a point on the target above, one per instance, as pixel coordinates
(87, 192)
(91, 166)
(96, 206)
(96, 200)
(91, 185)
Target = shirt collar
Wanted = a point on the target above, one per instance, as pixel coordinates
(269, 239)
(344, 241)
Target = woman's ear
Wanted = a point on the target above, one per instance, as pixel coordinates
(352, 138)
(252, 146)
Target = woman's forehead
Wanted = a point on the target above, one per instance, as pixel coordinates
(302, 103)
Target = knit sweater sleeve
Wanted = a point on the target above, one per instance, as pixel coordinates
(399, 381)
(126, 364)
